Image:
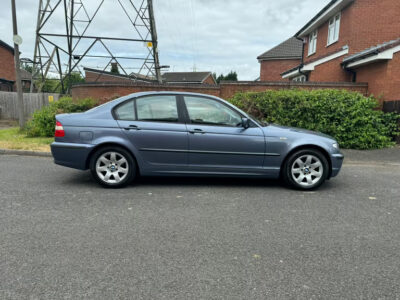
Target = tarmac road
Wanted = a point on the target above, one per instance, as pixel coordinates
(64, 237)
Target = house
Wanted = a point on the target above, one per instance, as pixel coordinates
(189, 78)
(94, 75)
(7, 67)
(7, 70)
(275, 61)
(353, 41)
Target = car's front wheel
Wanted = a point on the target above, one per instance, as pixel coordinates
(113, 167)
(306, 169)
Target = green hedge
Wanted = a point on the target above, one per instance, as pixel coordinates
(354, 120)
(43, 122)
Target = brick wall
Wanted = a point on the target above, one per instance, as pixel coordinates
(7, 68)
(270, 70)
(331, 71)
(373, 22)
(108, 91)
(383, 78)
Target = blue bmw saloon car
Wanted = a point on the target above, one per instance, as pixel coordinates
(187, 134)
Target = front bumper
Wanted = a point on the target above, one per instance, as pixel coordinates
(71, 155)
(337, 162)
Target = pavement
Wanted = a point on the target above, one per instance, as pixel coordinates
(64, 237)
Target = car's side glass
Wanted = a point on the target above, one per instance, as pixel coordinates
(162, 108)
(211, 112)
(125, 111)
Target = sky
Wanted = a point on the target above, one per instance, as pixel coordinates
(202, 35)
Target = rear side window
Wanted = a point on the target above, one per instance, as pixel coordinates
(125, 111)
(160, 108)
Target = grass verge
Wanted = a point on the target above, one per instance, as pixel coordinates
(14, 138)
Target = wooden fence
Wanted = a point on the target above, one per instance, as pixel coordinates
(32, 102)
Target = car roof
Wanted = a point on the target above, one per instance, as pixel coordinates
(151, 93)
(168, 92)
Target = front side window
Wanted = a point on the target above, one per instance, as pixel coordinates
(312, 45)
(125, 111)
(161, 108)
(334, 28)
(210, 112)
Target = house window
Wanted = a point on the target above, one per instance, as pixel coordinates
(312, 43)
(334, 28)
(301, 78)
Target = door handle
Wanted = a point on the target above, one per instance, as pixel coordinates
(132, 127)
(194, 131)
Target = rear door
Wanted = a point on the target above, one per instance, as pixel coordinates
(217, 139)
(154, 126)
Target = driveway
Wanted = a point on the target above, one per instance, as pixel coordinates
(62, 236)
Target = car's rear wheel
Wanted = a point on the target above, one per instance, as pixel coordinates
(306, 169)
(113, 167)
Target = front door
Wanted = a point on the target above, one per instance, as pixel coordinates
(156, 130)
(217, 139)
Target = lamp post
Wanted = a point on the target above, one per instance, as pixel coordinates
(18, 41)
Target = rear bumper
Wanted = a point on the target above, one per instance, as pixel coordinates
(337, 162)
(71, 155)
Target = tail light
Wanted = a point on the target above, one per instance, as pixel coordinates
(59, 130)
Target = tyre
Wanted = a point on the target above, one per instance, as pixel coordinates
(113, 167)
(305, 169)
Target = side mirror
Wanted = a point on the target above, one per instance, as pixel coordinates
(245, 123)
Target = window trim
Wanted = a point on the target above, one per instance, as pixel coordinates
(334, 26)
(189, 121)
(309, 42)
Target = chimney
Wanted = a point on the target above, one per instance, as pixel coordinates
(114, 68)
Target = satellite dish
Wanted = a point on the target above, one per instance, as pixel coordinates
(17, 39)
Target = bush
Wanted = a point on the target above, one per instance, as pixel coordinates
(43, 122)
(353, 119)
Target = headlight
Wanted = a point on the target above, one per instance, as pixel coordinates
(336, 146)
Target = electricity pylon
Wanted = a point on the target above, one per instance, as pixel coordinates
(74, 34)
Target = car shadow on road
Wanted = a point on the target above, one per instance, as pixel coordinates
(167, 182)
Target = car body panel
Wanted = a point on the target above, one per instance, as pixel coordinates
(163, 148)
(158, 143)
(218, 147)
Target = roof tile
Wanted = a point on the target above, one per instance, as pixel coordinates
(289, 49)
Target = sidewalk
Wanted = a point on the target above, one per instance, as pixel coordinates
(388, 155)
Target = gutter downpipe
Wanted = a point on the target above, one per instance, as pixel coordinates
(302, 57)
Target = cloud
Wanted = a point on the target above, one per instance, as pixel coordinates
(209, 35)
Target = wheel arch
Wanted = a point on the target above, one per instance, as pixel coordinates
(110, 144)
(309, 146)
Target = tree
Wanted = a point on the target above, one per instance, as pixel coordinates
(231, 76)
(26, 67)
(53, 85)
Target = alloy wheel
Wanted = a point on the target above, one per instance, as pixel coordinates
(307, 170)
(112, 167)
